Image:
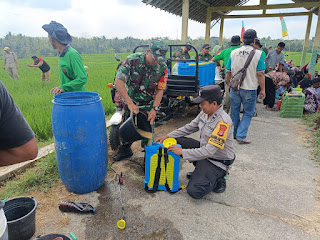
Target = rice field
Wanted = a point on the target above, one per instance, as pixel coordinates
(34, 99)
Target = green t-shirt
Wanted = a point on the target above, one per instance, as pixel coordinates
(70, 62)
(225, 55)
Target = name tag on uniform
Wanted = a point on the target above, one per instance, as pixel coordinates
(219, 135)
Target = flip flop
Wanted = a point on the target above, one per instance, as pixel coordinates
(311, 130)
(272, 109)
(243, 141)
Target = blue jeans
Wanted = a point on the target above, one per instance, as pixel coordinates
(248, 99)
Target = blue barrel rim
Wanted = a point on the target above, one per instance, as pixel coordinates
(69, 98)
(27, 215)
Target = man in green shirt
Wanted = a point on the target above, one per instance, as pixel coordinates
(205, 55)
(71, 71)
(225, 55)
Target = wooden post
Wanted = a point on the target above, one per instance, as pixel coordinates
(208, 26)
(185, 17)
(221, 30)
(263, 3)
(316, 44)
(306, 41)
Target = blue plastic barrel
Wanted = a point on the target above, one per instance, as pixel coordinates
(80, 136)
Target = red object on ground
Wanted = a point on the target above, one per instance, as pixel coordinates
(279, 104)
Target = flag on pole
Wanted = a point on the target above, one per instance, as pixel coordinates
(242, 31)
(284, 27)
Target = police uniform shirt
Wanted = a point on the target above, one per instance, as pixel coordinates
(216, 137)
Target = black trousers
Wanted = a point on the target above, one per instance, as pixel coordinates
(270, 93)
(205, 175)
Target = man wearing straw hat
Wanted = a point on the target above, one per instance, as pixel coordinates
(72, 73)
(10, 59)
(213, 155)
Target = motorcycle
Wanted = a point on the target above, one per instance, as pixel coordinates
(117, 118)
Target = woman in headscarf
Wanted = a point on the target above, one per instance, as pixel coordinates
(311, 103)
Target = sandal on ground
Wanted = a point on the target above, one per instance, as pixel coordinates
(243, 141)
(271, 109)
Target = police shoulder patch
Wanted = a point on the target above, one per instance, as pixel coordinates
(219, 135)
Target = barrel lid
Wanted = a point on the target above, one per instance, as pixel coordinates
(76, 98)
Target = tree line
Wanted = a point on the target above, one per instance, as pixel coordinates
(25, 46)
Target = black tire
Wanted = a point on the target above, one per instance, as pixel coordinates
(114, 137)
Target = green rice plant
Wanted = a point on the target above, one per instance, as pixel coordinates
(42, 176)
(34, 99)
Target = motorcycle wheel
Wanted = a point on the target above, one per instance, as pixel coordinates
(114, 137)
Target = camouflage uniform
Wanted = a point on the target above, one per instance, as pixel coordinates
(181, 55)
(205, 57)
(141, 80)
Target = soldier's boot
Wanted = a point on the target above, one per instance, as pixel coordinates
(123, 153)
(221, 185)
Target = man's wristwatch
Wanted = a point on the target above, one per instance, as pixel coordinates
(156, 108)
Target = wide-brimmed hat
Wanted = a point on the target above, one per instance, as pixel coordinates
(210, 92)
(158, 49)
(58, 31)
(235, 40)
(6, 48)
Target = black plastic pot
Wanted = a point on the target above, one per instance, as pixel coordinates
(20, 213)
(53, 236)
(128, 130)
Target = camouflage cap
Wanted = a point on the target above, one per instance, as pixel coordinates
(158, 49)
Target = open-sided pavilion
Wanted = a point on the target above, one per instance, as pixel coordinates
(212, 11)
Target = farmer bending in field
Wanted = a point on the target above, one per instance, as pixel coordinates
(140, 81)
(44, 67)
(17, 141)
(72, 73)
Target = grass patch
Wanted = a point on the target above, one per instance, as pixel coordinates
(42, 176)
(310, 120)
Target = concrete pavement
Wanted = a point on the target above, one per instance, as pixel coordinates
(272, 193)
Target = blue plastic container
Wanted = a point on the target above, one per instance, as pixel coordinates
(207, 71)
(80, 135)
(151, 163)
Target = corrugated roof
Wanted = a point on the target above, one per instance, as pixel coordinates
(198, 8)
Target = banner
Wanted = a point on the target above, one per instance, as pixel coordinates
(242, 31)
(284, 27)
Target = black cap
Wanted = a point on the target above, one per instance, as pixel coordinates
(210, 92)
(316, 80)
(250, 35)
(235, 41)
(257, 41)
(34, 57)
(206, 45)
(188, 45)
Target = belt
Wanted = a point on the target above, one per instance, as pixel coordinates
(223, 164)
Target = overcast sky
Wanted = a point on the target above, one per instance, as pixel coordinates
(122, 18)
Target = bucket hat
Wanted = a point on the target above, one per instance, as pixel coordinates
(235, 40)
(6, 48)
(58, 31)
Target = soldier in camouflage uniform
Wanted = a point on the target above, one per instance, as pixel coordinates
(205, 56)
(183, 53)
(140, 81)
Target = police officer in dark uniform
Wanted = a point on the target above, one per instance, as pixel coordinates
(213, 155)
